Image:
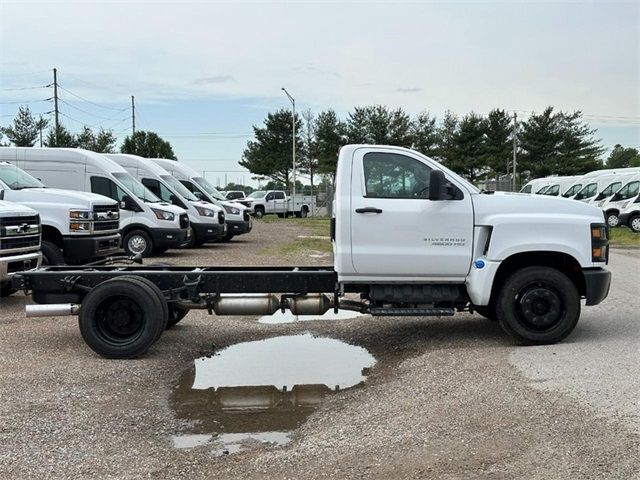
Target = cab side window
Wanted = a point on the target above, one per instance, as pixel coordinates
(279, 195)
(391, 175)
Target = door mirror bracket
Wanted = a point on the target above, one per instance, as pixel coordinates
(441, 189)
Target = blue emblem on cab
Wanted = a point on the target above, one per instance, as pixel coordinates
(479, 264)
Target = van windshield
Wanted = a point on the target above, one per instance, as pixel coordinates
(17, 179)
(178, 187)
(572, 191)
(210, 189)
(135, 187)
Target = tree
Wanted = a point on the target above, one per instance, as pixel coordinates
(469, 148)
(309, 162)
(102, 142)
(41, 124)
(247, 189)
(330, 137)
(579, 151)
(424, 134)
(24, 131)
(270, 153)
(400, 129)
(621, 157)
(61, 137)
(357, 126)
(148, 145)
(446, 138)
(498, 142)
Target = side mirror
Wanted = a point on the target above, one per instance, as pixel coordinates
(579, 196)
(173, 199)
(199, 195)
(269, 197)
(1, 194)
(129, 203)
(616, 197)
(440, 188)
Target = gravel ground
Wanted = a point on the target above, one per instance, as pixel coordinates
(448, 398)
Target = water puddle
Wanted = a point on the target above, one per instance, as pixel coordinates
(288, 317)
(258, 392)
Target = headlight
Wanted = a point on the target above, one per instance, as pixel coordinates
(205, 212)
(231, 210)
(164, 215)
(79, 214)
(80, 226)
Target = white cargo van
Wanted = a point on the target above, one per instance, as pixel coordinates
(598, 189)
(620, 200)
(236, 215)
(147, 225)
(558, 185)
(19, 242)
(207, 221)
(77, 227)
(630, 215)
(535, 185)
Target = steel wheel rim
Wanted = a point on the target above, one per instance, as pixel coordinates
(635, 224)
(137, 244)
(539, 307)
(119, 320)
(612, 220)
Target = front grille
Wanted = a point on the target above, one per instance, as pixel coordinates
(17, 221)
(106, 208)
(19, 242)
(246, 216)
(221, 217)
(102, 226)
(184, 221)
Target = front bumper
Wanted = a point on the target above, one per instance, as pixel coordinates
(597, 282)
(238, 227)
(168, 237)
(208, 232)
(18, 263)
(83, 249)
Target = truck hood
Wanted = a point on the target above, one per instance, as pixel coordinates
(56, 195)
(9, 209)
(488, 208)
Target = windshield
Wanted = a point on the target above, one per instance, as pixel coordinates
(17, 179)
(178, 187)
(210, 189)
(573, 190)
(611, 189)
(258, 194)
(135, 187)
(542, 190)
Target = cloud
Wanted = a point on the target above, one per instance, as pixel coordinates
(409, 90)
(215, 79)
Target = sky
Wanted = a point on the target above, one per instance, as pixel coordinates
(203, 73)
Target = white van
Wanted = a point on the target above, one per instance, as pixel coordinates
(236, 215)
(558, 185)
(620, 200)
(535, 185)
(630, 215)
(595, 186)
(147, 225)
(207, 221)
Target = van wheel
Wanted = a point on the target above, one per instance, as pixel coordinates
(138, 242)
(538, 305)
(612, 219)
(51, 254)
(121, 318)
(634, 223)
(259, 213)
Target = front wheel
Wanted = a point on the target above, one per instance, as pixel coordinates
(538, 305)
(634, 223)
(138, 242)
(259, 213)
(612, 219)
(51, 254)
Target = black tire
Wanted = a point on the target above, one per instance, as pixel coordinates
(6, 290)
(487, 311)
(304, 212)
(228, 237)
(259, 212)
(612, 219)
(121, 318)
(634, 223)
(138, 242)
(281, 215)
(538, 306)
(159, 294)
(51, 254)
(175, 315)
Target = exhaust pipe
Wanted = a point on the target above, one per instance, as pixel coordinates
(262, 304)
(52, 310)
(314, 304)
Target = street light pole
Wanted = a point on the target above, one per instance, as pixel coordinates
(293, 123)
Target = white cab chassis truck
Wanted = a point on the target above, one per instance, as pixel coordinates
(266, 202)
(19, 242)
(410, 238)
(77, 227)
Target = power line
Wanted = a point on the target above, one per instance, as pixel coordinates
(89, 113)
(23, 88)
(89, 101)
(25, 102)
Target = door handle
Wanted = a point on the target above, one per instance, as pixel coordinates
(368, 210)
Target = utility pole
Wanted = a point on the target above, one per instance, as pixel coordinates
(133, 116)
(515, 149)
(55, 102)
(293, 123)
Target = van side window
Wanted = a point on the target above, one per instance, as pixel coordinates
(105, 186)
(154, 186)
(162, 192)
(190, 186)
(391, 175)
(553, 190)
(629, 190)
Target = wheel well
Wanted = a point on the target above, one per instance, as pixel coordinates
(51, 234)
(125, 231)
(613, 210)
(304, 207)
(560, 261)
(259, 207)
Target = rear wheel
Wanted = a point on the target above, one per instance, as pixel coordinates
(138, 242)
(121, 318)
(634, 223)
(304, 212)
(538, 305)
(612, 219)
(51, 254)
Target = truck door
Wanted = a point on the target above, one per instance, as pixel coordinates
(396, 231)
(270, 203)
(280, 202)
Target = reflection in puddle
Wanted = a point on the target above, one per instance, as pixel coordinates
(259, 392)
(288, 317)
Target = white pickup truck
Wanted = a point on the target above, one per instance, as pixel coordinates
(265, 202)
(410, 238)
(19, 242)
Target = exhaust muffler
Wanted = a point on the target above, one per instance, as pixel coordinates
(52, 310)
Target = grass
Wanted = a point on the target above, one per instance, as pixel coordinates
(623, 237)
(313, 226)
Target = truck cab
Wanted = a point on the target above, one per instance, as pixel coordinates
(207, 221)
(77, 227)
(19, 242)
(236, 216)
(266, 202)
